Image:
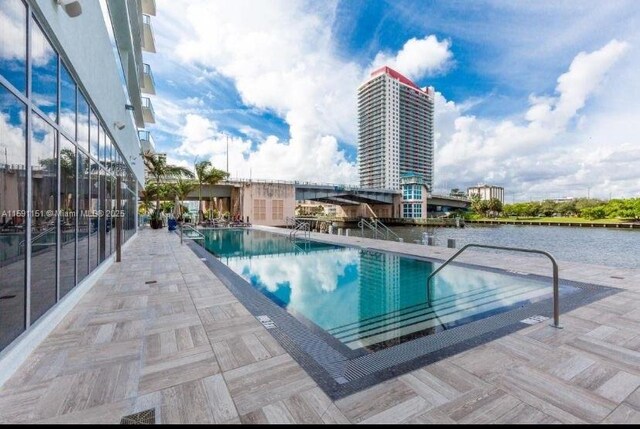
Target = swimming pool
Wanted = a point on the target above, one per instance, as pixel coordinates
(353, 317)
(365, 298)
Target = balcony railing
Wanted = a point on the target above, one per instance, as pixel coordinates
(149, 7)
(148, 40)
(148, 83)
(148, 114)
(146, 141)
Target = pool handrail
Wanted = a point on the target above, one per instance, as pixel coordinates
(556, 291)
(301, 226)
(199, 235)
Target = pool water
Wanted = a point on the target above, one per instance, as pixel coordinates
(364, 298)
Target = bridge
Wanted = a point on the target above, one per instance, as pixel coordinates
(240, 195)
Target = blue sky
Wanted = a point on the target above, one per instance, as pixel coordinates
(534, 96)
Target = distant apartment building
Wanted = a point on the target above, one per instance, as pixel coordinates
(487, 192)
(395, 130)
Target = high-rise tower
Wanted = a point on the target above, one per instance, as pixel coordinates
(395, 130)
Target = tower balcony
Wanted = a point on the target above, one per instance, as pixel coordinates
(148, 114)
(148, 40)
(149, 7)
(146, 141)
(148, 84)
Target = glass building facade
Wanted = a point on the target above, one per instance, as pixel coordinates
(59, 175)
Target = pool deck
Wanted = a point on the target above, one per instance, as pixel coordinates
(161, 331)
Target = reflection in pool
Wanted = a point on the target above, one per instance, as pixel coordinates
(366, 298)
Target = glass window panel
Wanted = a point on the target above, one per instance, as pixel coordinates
(44, 73)
(107, 217)
(67, 102)
(83, 122)
(109, 157)
(101, 218)
(67, 216)
(44, 186)
(103, 142)
(84, 204)
(13, 43)
(13, 194)
(93, 220)
(94, 135)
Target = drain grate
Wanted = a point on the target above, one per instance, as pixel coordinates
(617, 277)
(7, 296)
(534, 319)
(266, 322)
(150, 282)
(146, 417)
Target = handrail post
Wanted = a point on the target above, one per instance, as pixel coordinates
(556, 286)
(556, 295)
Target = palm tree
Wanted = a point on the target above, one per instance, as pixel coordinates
(181, 189)
(209, 175)
(161, 172)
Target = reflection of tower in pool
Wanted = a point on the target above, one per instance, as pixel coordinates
(379, 284)
(388, 285)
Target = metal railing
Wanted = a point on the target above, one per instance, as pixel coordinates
(556, 291)
(291, 222)
(378, 228)
(189, 228)
(302, 226)
(40, 235)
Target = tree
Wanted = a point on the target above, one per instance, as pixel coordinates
(209, 175)
(594, 213)
(181, 189)
(456, 192)
(548, 208)
(494, 205)
(161, 172)
(476, 203)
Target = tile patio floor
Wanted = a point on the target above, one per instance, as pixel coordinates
(186, 347)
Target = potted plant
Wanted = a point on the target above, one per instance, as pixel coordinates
(156, 220)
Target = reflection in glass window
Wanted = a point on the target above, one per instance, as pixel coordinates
(93, 131)
(67, 216)
(93, 220)
(67, 102)
(83, 122)
(101, 218)
(44, 186)
(84, 199)
(108, 179)
(103, 144)
(44, 73)
(13, 194)
(13, 43)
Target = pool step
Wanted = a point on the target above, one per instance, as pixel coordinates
(438, 309)
(394, 327)
(422, 307)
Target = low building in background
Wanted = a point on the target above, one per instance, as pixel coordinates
(414, 196)
(486, 192)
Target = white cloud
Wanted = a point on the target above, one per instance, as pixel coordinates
(13, 24)
(281, 58)
(418, 57)
(536, 151)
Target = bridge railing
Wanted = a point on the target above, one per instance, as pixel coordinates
(335, 186)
